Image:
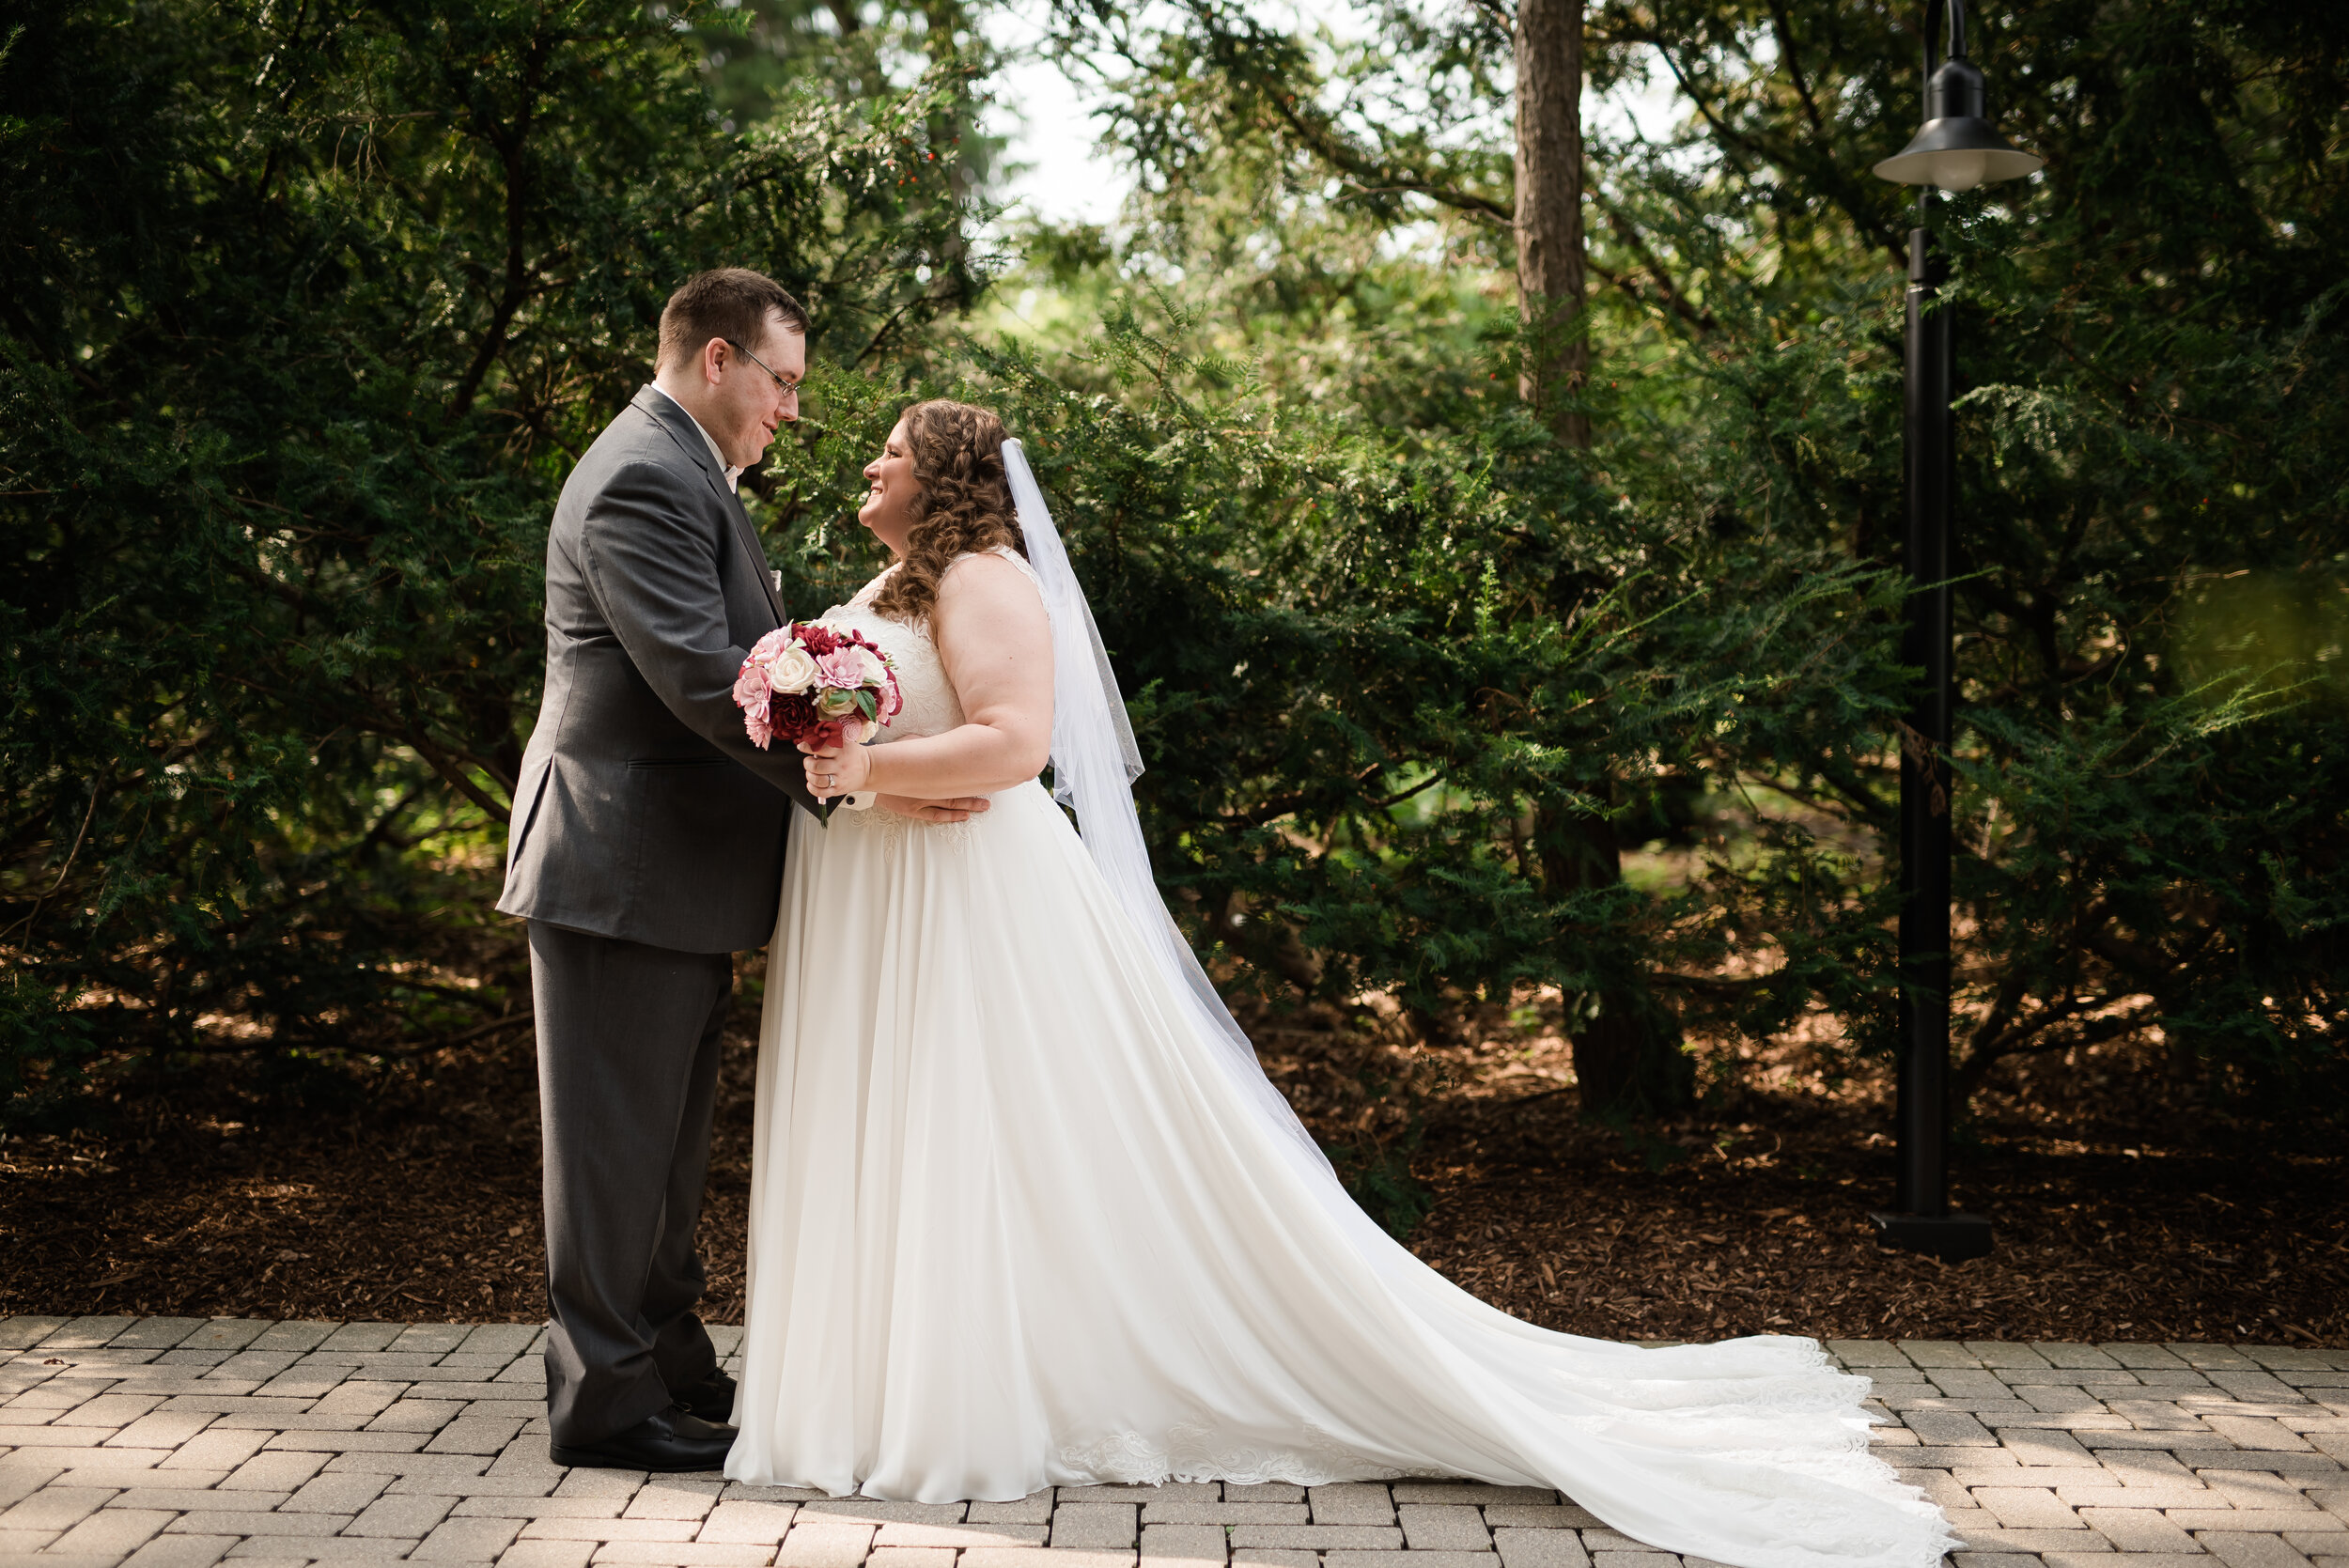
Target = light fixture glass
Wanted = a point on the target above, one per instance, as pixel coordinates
(1944, 155)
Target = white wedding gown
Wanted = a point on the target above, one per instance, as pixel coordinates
(1014, 1225)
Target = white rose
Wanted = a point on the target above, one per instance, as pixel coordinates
(870, 666)
(793, 671)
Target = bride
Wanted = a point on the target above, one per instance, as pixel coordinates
(1026, 1212)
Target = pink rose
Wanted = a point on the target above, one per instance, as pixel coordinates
(843, 668)
(750, 689)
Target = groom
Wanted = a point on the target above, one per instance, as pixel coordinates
(647, 848)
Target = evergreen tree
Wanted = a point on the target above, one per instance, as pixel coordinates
(2153, 604)
(308, 310)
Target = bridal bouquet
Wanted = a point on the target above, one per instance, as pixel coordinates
(811, 683)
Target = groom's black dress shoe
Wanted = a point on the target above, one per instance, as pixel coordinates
(711, 1399)
(676, 1440)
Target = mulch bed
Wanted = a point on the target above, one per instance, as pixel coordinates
(411, 1192)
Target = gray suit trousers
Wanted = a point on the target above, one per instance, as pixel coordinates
(628, 1078)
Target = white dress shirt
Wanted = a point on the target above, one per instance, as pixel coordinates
(734, 475)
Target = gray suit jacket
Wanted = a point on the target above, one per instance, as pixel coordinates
(643, 812)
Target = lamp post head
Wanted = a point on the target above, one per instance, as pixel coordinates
(1958, 147)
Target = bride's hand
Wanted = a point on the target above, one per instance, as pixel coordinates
(836, 769)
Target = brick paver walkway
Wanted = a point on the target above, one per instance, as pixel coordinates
(179, 1443)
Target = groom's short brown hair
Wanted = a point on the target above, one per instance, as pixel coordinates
(728, 302)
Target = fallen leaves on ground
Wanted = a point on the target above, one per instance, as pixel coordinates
(420, 1200)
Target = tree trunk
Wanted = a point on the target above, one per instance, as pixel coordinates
(1549, 210)
(1627, 1056)
(949, 126)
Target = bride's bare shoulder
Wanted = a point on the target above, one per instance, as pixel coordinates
(987, 591)
(987, 576)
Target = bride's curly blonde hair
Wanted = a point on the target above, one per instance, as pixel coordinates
(964, 506)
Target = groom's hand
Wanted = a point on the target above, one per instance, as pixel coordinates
(933, 811)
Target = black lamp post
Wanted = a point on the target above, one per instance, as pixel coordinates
(1956, 151)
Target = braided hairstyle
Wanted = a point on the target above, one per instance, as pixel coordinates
(964, 506)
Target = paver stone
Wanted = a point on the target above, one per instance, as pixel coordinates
(467, 1541)
(600, 1484)
(1540, 1548)
(1416, 1560)
(2138, 1530)
(912, 1557)
(1109, 1526)
(1472, 1494)
(672, 1498)
(2254, 1489)
(180, 1551)
(1428, 1527)
(1324, 1538)
(85, 1333)
(1562, 1516)
(298, 1336)
(2026, 1508)
(215, 1451)
(2245, 1550)
(1033, 1508)
(158, 1333)
(113, 1530)
(1949, 1429)
(546, 1554)
(830, 1543)
(747, 1524)
(1169, 1544)
(334, 1549)
(555, 1529)
(1210, 1513)
(1027, 1557)
(55, 1508)
(409, 1515)
(337, 1492)
(531, 1508)
(1353, 1503)
(23, 1333)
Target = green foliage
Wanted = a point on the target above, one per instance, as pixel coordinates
(308, 312)
(2153, 571)
(1346, 667)
(1378, 1178)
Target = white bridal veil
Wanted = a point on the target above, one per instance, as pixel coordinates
(1095, 763)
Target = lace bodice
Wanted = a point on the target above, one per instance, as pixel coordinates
(931, 706)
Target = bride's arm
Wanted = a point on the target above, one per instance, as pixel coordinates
(995, 643)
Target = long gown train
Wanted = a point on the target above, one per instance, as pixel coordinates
(1013, 1225)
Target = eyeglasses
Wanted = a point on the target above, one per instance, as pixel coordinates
(787, 388)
